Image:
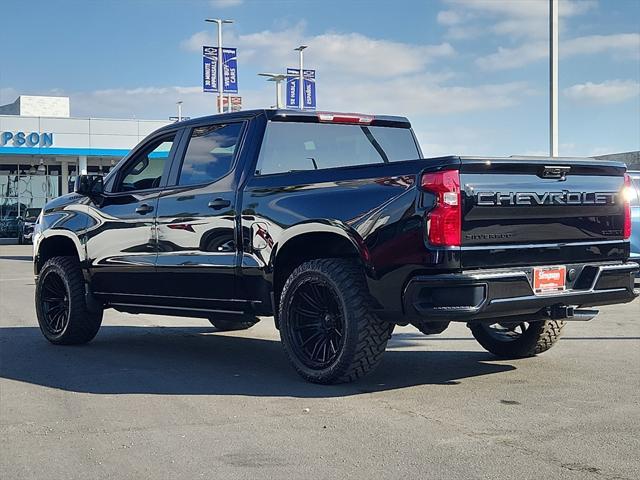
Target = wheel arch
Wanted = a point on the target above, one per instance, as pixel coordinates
(60, 244)
(308, 241)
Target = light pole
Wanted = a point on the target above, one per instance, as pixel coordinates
(553, 78)
(278, 79)
(179, 104)
(301, 78)
(219, 22)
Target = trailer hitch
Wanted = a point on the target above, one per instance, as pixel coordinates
(566, 312)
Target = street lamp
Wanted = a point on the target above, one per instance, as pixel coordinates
(179, 104)
(278, 79)
(553, 78)
(301, 78)
(219, 22)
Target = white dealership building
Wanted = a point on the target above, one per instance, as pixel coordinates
(42, 148)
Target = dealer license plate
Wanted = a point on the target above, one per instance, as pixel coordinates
(549, 279)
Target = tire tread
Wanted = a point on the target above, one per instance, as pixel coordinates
(83, 323)
(373, 333)
(538, 338)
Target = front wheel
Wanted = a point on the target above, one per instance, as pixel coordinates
(517, 340)
(61, 306)
(327, 327)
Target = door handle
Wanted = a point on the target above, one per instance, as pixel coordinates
(144, 209)
(219, 203)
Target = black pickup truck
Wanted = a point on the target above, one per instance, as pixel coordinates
(335, 225)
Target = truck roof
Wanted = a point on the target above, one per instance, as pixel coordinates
(300, 116)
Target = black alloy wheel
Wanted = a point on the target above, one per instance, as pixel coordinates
(328, 328)
(317, 324)
(517, 339)
(64, 316)
(55, 303)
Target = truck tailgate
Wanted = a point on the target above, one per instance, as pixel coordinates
(543, 211)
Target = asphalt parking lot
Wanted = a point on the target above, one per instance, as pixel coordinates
(159, 397)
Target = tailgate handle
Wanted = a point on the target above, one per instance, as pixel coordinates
(553, 171)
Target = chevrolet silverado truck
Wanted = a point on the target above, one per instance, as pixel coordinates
(338, 227)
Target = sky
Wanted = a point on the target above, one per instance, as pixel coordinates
(471, 75)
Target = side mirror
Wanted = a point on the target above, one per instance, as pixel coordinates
(89, 185)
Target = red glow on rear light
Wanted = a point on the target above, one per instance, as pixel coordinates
(445, 219)
(627, 193)
(345, 118)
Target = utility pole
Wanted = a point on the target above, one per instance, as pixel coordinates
(301, 77)
(278, 79)
(179, 104)
(553, 78)
(219, 22)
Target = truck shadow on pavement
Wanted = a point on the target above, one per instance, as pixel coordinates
(201, 361)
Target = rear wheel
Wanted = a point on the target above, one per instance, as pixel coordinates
(61, 305)
(327, 327)
(231, 322)
(517, 340)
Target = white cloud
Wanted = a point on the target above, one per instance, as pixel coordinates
(610, 91)
(449, 17)
(627, 44)
(354, 72)
(417, 95)
(620, 45)
(226, 3)
(527, 21)
(148, 102)
(413, 95)
(506, 58)
(196, 41)
(341, 53)
(515, 19)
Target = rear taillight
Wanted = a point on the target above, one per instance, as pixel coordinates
(444, 221)
(627, 194)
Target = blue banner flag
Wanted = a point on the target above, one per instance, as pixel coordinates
(230, 70)
(309, 84)
(210, 69)
(293, 89)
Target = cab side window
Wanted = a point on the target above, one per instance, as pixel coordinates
(146, 169)
(210, 153)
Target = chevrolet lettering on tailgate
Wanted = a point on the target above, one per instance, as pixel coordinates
(564, 197)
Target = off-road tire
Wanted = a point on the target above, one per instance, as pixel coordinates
(230, 322)
(539, 337)
(430, 328)
(364, 336)
(81, 324)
